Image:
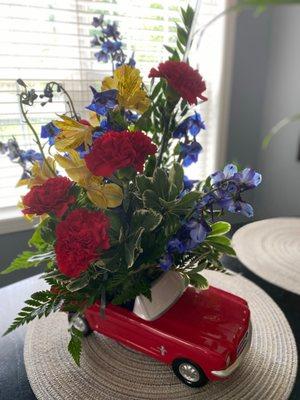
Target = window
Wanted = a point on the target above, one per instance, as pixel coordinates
(44, 40)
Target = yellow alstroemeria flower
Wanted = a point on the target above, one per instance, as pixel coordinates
(128, 82)
(103, 195)
(73, 134)
(40, 173)
(94, 119)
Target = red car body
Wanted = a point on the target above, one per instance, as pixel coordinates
(211, 328)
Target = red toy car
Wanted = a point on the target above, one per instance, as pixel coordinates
(203, 334)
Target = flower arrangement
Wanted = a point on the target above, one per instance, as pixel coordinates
(123, 212)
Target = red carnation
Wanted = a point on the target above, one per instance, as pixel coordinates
(182, 78)
(53, 196)
(115, 150)
(80, 238)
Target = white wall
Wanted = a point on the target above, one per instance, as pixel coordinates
(266, 88)
(280, 192)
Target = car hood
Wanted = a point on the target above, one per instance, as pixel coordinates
(211, 318)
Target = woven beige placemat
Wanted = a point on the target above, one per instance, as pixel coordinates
(110, 371)
(271, 249)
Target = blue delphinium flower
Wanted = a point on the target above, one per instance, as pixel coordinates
(192, 125)
(111, 30)
(188, 184)
(30, 155)
(97, 21)
(49, 131)
(188, 237)
(102, 56)
(219, 176)
(111, 47)
(131, 61)
(130, 116)
(195, 124)
(103, 101)
(166, 262)
(227, 188)
(3, 148)
(248, 177)
(190, 152)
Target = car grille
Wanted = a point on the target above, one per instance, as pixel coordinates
(243, 343)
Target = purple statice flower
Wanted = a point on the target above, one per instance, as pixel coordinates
(49, 131)
(103, 101)
(190, 152)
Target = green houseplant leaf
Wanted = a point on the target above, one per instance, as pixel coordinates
(26, 260)
(149, 219)
(132, 247)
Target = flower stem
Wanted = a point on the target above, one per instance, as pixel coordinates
(70, 101)
(36, 136)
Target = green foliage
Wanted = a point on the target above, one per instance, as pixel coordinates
(40, 234)
(26, 260)
(278, 128)
(219, 228)
(75, 344)
(132, 291)
(133, 247)
(222, 244)
(148, 219)
(197, 280)
(40, 304)
(176, 176)
(79, 283)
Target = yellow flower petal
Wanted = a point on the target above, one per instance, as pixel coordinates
(72, 134)
(93, 119)
(128, 82)
(39, 173)
(74, 166)
(113, 194)
(101, 194)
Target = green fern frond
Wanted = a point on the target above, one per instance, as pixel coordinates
(40, 304)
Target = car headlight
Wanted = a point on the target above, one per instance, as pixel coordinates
(228, 360)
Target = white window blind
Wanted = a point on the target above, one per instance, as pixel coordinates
(43, 40)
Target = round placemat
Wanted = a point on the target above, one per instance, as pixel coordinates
(110, 371)
(271, 249)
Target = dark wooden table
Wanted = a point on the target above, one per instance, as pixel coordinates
(13, 380)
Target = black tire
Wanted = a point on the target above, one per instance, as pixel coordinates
(82, 325)
(183, 367)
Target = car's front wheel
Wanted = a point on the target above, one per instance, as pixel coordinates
(189, 373)
(80, 323)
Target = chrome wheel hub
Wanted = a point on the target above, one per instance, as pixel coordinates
(79, 324)
(189, 372)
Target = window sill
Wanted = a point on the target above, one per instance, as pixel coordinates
(12, 220)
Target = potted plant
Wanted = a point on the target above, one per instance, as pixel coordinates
(122, 232)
